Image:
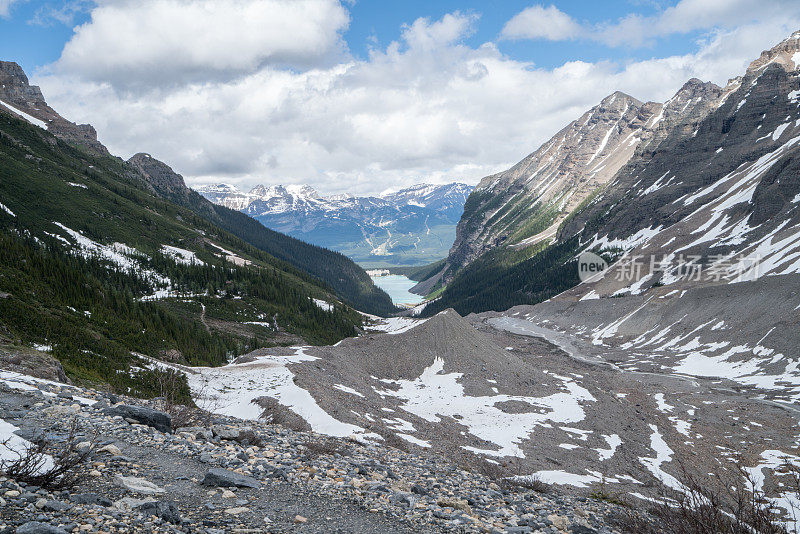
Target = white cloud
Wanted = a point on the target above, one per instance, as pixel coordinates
(425, 108)
(5, 7)
(132, 43)
(424, 35)
(539, 22)
(64, 14)
(636, 30)
(690, 15)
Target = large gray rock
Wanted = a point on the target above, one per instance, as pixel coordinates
(35, 527)
(225, 478)
(146, 416)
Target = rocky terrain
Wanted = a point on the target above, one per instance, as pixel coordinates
(412, 226)
(595, 394)
(227, 475)
(20, 98)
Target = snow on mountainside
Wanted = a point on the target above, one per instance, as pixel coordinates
(694, 359)
(724, 209)
(526, 204)
(413, 225)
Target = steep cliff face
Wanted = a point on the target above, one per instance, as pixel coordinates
(526, 204)
(20, 98)
(160, 177)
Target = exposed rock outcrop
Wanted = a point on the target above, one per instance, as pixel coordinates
(16, 90)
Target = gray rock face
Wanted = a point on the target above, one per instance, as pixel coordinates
(225, 479)
(159, 176)
(147, 416)
(729, 186)
(14, 85)
(526, 204)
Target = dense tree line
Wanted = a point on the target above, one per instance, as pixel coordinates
(493, 282)
(93, 315)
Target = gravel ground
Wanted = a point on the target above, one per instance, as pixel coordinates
(306, 482)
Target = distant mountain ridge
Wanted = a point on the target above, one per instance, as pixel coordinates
(412, 226)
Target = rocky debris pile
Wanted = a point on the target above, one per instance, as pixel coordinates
(236, 476)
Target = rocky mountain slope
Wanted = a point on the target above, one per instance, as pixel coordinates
(525, 205)
(408, 227)
(348, 281)
(716, 180)
(608, 395)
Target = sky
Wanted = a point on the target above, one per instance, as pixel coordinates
(364, 96)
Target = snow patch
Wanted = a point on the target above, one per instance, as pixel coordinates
(6, 209)
(180, 255)
(435, 394)
(27, 117)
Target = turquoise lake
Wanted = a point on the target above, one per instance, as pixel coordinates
(397, 287)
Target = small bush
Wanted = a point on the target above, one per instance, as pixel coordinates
(725, 505)
(323, 447)
(31, 465)
(531, 482)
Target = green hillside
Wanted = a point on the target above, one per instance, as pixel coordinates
(347, 279)
(85, 272)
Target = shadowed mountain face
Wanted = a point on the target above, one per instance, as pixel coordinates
(524, 205)
(408, 227)
(713, 176)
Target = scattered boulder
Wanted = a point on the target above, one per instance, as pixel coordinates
(111, 449)
(146, 416)
(138, 485)
(164, 509)
(90, 498)
(226, 479)
(127, 504)
(225, 432)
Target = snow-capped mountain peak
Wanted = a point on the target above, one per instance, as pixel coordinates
(419, 219)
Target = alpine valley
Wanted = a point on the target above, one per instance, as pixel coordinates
(610, 345)
(413, 226)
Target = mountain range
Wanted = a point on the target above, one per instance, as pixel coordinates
(618, 316)
(710, 173)
(124, 261)
(19, 99)
(412, 226)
